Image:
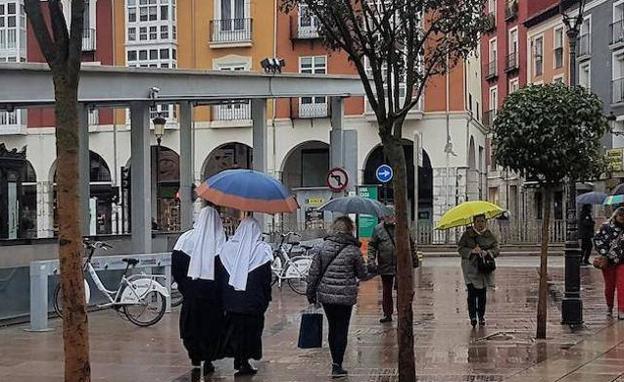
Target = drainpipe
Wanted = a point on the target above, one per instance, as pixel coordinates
(118, 207)
(274, 112)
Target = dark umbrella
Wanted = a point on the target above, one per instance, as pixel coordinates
(357, 205)
(593, 197)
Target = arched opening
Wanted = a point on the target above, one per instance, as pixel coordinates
(228, 156)
(304, 171)
(165, 176)
(18, 195)
(101, 197)
(425, 181)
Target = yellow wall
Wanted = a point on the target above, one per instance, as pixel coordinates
(193, 37)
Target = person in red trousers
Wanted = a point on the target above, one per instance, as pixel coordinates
(609, 243)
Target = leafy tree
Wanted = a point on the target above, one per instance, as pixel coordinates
(62, 48)
(550, 133)
(395, 47)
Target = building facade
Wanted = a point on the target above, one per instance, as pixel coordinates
(236, 35)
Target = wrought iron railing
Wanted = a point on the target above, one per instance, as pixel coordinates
(231, 30)
(232, 112)
(491, 69)
(512, 61)
(511, 10)
(488, 119)
(313, 110)
(88, 40)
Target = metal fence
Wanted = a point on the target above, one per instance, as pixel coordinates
(231, 30)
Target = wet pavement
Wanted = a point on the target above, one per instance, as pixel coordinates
(447, 348)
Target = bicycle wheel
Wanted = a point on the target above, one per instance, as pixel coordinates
(276, 268)
(297, 274)
(58, 301)
(176, 296)
(150, 309)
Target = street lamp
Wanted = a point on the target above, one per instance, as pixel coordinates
(572, 305)
(159, 131)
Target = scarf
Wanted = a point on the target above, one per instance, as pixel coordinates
(207, 240)
(244, 252)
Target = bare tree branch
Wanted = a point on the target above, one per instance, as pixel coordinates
(42, 33)
(59, 29)
(76, 32)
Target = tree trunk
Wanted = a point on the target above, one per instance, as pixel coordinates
(75, 326)
(542, 304)
(405, 332)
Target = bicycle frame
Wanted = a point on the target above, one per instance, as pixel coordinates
(285, 271)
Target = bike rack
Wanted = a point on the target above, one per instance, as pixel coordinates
(41, 270)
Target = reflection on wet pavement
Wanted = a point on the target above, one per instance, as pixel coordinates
(447, 348)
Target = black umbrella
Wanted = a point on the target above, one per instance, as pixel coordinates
(357, 205)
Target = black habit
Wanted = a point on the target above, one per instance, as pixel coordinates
(244, 314)
(201, 317)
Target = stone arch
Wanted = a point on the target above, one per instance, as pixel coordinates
(227, 155)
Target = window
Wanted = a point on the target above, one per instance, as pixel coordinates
(618, 77)
(131, 34)
(164, 32)
(538, 56)
(240, 110)
(514, 85)
(558, 48)
(308, 23)
(153, 18)
(512, 57)
(310, 107)
(585, 37)
(232, 9)
(584, 76)
(494, 98)
(12, 32)
(492, 7)
(492, 69)
(617, 27)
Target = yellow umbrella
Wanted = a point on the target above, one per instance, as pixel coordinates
(463, 214)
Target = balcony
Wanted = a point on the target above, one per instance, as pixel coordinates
(88, 40)
(316, 109)
(584, 48)
(231, 32)
(12, 122)
(232, 112)
(511, 63)
(490, 22)
(491, 70)
(488, 119)
(617, 32)
(617, 91)
(511, 10)
(558, 58)
(303, 29)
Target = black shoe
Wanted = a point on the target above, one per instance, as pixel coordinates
(245, 369)
(196, 374)
(386, 319)
(481, 321)
(208, 368)
(473, 322)
(338, 371)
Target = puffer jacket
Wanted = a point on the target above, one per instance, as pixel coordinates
(339, 284)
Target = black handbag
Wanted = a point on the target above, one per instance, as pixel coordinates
(486, 263)
(311, 330)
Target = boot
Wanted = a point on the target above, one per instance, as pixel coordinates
(386, 319)
(473, 322)
(196, 374)
(245, 369)
(482, 321)
(338, 371)
(208, 368)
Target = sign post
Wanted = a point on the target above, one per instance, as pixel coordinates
(384, 175)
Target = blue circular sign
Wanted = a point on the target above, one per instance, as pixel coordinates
(384, 173)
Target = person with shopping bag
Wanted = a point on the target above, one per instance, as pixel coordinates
(609, 242)
(333, 283)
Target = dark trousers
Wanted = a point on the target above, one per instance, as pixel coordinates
(338, 317)
(387, 282)
(586, 248)
(477, 299)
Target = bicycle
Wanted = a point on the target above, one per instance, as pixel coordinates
(136, 295)
(293, 269)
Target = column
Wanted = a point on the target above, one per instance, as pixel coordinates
(83, 170)
(259, 126)
(140, 179)
(343, 144)
(186, 166)
(44, 209)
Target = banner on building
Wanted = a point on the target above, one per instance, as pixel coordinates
(615, 157)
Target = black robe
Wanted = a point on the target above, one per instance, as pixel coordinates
(244, 312)
(201, 316)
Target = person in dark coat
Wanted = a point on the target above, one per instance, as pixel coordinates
(192, 268)
(336, 266)
(246, 293)
(477, 241)
(586, 226)
(382, 260)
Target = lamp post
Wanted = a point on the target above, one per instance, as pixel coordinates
(159, 130)
(572, 305)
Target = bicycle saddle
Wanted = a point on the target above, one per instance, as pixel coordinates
(130, 261)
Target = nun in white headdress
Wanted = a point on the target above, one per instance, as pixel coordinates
(246, 294)
(193, 269)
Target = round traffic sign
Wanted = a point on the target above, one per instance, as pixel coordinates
(384, 173)
(337, 179)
